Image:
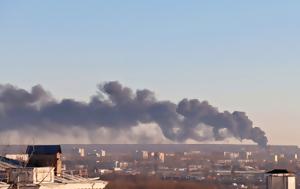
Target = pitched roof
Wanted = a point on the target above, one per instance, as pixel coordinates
(278, 171)
(43, 149)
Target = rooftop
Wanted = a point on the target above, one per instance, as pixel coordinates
(279, 171)
(43, 149)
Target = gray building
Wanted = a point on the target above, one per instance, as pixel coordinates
(281, 179)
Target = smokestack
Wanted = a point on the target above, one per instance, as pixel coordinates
(118, 107)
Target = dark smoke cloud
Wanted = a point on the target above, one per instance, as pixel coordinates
(118, 107)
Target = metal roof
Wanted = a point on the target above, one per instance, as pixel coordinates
(278, 171)
(43, 149)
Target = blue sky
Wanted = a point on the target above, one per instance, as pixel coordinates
(238, 55)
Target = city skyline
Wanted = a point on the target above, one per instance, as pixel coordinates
(237, 56)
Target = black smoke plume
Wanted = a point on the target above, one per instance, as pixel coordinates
(118, 107)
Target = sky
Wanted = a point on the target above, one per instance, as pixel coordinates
(238, 55)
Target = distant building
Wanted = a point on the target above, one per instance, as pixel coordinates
(95, 153)
(102, 153)
(111, 165)
(245, 155)
(231, 155)
(123, 165)
(159, 156)
(282, 156)
(281, 179)
(81, 152)
(192, 153)
(141, 155)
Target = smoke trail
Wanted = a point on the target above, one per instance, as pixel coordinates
(119, 107)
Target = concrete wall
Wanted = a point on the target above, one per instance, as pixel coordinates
(281, 181)
(31, 175)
